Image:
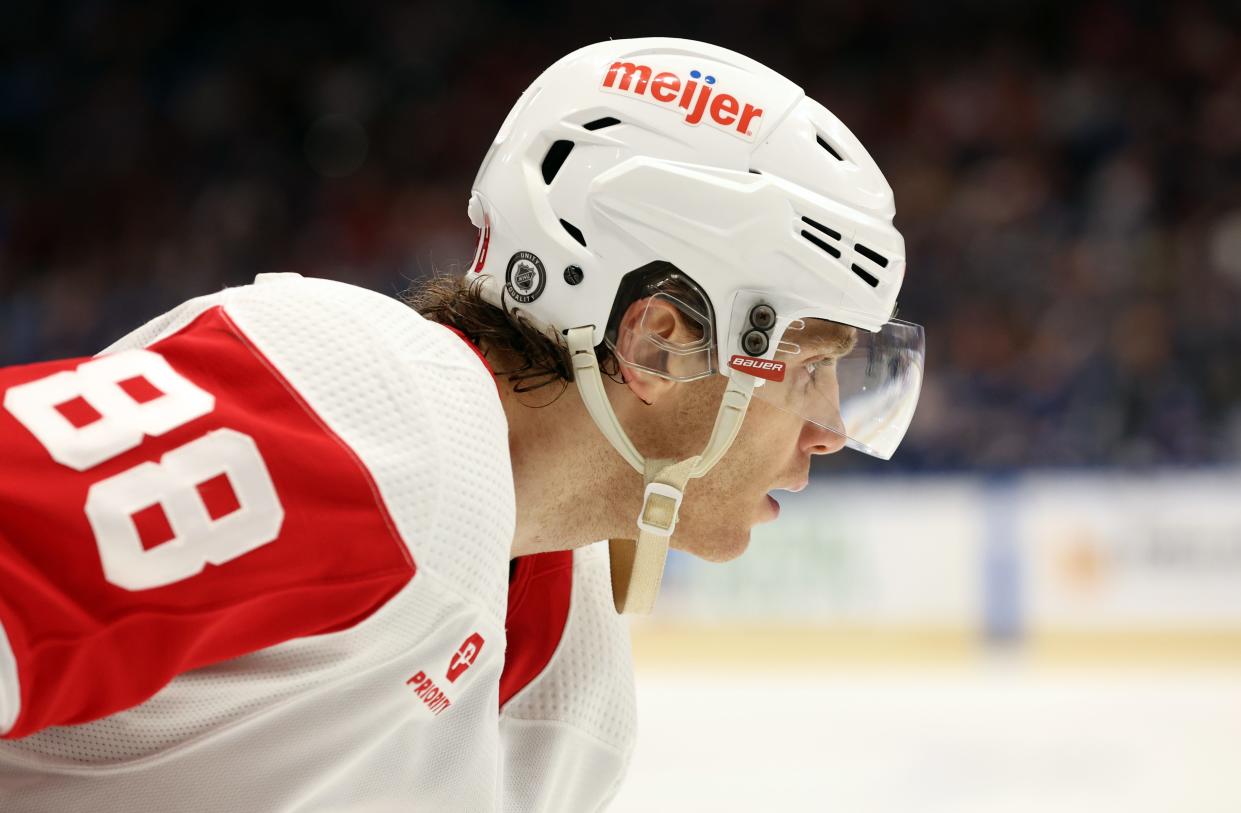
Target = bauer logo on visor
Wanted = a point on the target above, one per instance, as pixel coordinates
(694, 94)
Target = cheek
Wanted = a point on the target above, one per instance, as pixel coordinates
(770, 434)
(679, 425)
(721, 508)
(767, 441)
(763, 449)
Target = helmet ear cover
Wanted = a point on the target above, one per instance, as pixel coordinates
(637, 342)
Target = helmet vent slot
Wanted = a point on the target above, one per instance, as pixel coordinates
(554, 160)
(825, 145)
(599, 124)
(574, 232)
(830, 232)
(872, 255)
(869, 278)
(830, 249)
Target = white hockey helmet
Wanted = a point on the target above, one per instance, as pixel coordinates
(630, 156)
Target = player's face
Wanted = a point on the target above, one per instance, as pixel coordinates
(772, 452)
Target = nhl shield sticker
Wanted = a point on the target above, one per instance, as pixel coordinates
(525, 278)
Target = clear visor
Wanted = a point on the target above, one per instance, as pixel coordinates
(862, 386)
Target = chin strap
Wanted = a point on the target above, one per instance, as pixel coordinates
(638, 565)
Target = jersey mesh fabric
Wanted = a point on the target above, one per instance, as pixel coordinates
(418, 407)
(342, 745)
(430, 427)
(427, 375)
(205, 701)
(569, 734)
(589, 682)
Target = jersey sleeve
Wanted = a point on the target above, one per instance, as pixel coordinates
(167, 507)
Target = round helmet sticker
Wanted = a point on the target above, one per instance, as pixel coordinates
(525, 277)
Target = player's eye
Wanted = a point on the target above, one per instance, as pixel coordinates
(819, 367)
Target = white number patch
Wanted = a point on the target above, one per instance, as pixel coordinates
(173, 485)
(121, 424)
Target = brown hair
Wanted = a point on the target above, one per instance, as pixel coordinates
(515, 348)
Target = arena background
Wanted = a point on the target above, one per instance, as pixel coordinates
(1036, 605)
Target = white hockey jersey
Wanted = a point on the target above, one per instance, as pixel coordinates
(255, 557)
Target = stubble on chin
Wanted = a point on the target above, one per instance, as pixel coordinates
(718, 546)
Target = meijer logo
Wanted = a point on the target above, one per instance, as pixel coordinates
(693, 95)
(760, 368)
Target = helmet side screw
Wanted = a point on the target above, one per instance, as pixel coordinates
(754, 342)
(763, 317)
(573, 274)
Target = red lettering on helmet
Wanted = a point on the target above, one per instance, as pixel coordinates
(665, 87)
(751, 112)
(759, 368)
(695, 95)
(724, 109)
(626, 71)
(484, 241)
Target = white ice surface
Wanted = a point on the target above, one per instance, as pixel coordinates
(996, 739)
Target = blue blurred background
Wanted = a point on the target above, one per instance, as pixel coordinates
(912, 635)
(1067, 176)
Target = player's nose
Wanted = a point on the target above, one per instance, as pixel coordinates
(817, 440)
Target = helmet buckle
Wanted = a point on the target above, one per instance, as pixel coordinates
(660, 505)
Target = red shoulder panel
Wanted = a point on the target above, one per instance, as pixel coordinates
(270, 528)
(538, 608)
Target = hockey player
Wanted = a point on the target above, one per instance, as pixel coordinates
(294, 547)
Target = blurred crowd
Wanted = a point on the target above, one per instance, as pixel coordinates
(1067, 176)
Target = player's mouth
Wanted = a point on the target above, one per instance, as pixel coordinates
(773, 505)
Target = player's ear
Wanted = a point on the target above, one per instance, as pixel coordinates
(652, 318)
